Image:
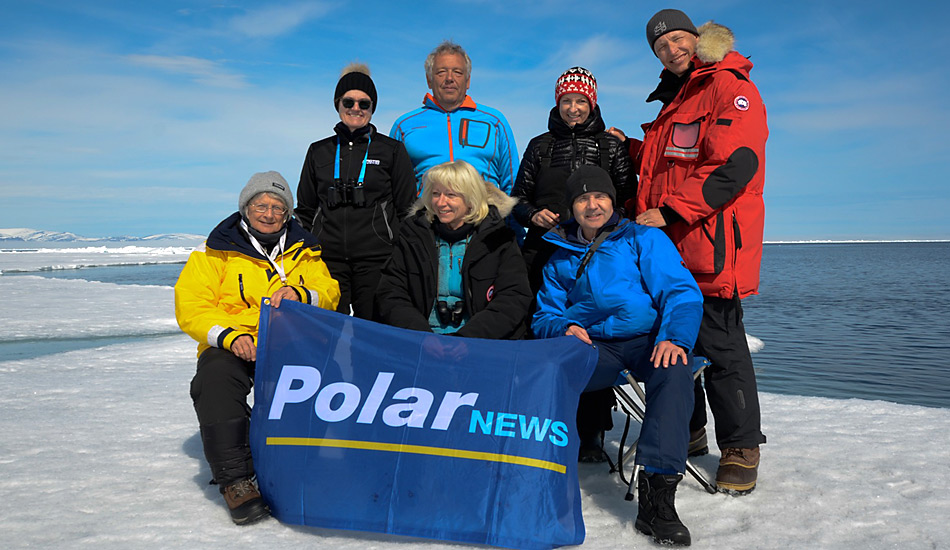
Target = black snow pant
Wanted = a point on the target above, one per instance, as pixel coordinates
(536, 252)
(219, 391)
(358, 281)
(730, 379)
(594, 414)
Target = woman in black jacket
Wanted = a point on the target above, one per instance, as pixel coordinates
(576, 135)
(354, 188)
(456, 267)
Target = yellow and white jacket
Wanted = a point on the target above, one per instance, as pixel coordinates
(218, 294)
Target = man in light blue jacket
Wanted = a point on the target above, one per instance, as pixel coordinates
(450, 126)
(622, 287)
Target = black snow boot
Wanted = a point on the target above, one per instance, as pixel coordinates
(657, 511)
(592, 449)
(228, 452)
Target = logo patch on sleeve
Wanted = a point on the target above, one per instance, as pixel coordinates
(741, 102)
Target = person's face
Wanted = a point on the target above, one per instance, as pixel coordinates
(449, 206)
(266, 214)
(574, 109)
(449, 82)
(592, 210)
(675, 49)
(354, 116)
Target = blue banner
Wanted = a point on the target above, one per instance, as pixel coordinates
(358, 425)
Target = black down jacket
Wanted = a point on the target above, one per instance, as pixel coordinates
(551, 157)
(494, 279)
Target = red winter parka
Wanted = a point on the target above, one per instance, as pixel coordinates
(704, 158)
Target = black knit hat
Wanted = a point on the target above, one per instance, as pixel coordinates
(589, 179)
(668, 20)
(355, 81)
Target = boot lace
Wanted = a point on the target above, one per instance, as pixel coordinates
(242, 488)
(733, 452)
(665, 506)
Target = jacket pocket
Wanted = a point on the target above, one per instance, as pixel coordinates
(316, 225)
(686, 135)
(382, 222)
(482, 289)
(241, 290)
(703, 246)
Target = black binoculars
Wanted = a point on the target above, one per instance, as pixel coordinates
(450, 316)
(346, 193)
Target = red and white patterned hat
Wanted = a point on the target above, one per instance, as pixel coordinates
(576, 80)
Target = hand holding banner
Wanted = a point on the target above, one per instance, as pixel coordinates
(358, 425)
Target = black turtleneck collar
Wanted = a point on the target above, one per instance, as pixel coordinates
(450, 235)
(669, 85)
(344, 132)
(593, 125)
(267, 240)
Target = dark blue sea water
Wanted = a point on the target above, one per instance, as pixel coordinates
(864, 320)
(867, 320)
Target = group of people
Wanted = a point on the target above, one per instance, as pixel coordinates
(643, 248)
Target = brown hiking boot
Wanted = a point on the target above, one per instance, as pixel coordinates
(244, 502)
(697, 443)
(738, 469)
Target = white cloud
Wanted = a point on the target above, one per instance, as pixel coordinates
(277, 20)
(203, 71)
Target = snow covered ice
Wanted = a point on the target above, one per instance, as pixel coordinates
(101, 450)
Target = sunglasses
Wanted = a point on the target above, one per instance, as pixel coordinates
(364, 104)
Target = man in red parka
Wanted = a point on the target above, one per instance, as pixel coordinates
(702, 170)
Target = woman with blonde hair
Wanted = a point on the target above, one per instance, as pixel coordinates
(456, 267)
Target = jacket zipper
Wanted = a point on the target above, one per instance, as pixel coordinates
(241, 288)
(573, 150)
(344, 209)
(448, 121)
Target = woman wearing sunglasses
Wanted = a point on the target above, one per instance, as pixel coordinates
(354, 188)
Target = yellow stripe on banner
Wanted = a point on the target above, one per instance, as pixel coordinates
(416, 449)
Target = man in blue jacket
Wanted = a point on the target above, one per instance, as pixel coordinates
(622, 287)
(450, 126)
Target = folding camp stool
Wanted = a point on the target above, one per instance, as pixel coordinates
(634, 405)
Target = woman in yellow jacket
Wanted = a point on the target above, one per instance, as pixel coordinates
(257, 252)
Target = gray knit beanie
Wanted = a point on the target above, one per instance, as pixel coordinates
(668, 20)
(589, 179)
(266, 182)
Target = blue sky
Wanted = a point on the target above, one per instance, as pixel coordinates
(147, 117)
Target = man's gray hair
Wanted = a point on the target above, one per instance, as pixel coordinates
(448, 47)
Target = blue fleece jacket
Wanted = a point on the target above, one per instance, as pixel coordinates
(474, 133)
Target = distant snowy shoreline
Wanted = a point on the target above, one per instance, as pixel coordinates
(816, 241)
(25, 235)
(16, 235)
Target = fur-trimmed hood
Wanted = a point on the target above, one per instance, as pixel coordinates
(715, 42)
(496, 197)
